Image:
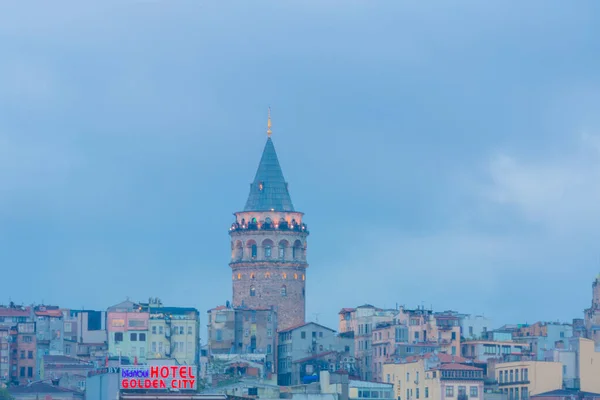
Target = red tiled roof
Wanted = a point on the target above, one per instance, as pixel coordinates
(449, 358)
(48, 313)
(14, 312)
(345, 310)
(443, 357)
(217, 308)
(462, 367)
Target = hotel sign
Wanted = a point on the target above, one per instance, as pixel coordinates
(158, 377)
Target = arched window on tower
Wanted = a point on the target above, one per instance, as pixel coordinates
(254, 250)
(267, 274)
(297, 250)
(283, 291)
(267, 245)
(282, 246)
(252, 291)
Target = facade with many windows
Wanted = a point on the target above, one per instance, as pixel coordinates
(521, 380)
(430, 378)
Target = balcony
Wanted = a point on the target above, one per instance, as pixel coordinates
(515, 382)
(268, 226)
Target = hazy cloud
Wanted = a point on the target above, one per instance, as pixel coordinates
(561, 192)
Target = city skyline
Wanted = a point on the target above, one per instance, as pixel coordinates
(433, 164)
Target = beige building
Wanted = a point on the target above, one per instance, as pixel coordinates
(587, 365)
(173, 333)
(362, 321)
(378, 334)
(520, 380)
(429, 379)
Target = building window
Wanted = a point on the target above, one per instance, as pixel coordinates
(252, 292)
(473, 391)
(417, 393)
(118, 336)
(182, 330)
(283, 291)
(142, 337)
(281, 251)
(30, 354)
(462, 391)
(154, 330)
(269, 333)
(252, 276)
(218, 335)
(239, 276)
(160, 330)
(22, 372)
(511, 376)
(154, 347)
(160, 347)
(254, 250)
(190, 330)
(267, 251)
(268, 349)
(133, 337)
(449, 391)
(453, 335)
(426, 392)
(267, 275)
(526, 375)
(303, 277)
(453, 350)
(284, 275)
(295, 276)
(303, 335)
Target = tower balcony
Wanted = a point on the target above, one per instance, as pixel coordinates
(269, 226)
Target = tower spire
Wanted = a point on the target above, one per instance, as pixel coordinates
(269, 124)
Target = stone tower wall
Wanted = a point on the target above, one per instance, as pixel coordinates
(277, 279)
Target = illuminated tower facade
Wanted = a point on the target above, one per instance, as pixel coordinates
(268, 246)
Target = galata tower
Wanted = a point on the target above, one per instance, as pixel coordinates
(268, 246)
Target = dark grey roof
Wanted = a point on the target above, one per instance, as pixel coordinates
(38, 387)
(269, 191)
(566, 392)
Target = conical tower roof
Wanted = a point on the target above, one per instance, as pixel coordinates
(269, 191)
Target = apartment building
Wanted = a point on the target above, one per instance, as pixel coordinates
(521, 380)
(431, 378)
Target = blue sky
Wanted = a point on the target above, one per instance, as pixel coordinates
(444, 154)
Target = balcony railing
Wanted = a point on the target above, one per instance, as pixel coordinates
(272, 226)
(515, 382)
